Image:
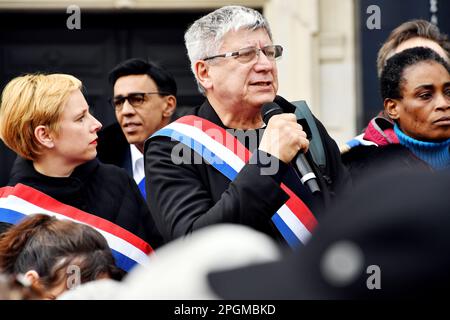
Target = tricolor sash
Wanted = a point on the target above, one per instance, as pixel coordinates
(20, 201)
(360, 141)
(225, 153)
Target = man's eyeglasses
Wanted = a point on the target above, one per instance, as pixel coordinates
(246, 55)
(134, 99)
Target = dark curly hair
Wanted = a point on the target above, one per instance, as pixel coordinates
(392, 76)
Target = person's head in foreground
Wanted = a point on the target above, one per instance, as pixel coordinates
(55, 255)
(46, 119)
(366, 248)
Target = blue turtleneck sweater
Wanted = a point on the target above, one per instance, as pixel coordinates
(436, 154)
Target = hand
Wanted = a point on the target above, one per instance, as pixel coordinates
(284, 137)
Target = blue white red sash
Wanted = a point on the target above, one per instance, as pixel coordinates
(360, 141)
(355, 142)
(20, 201)
(224, 152)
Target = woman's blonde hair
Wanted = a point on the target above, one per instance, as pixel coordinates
(29, 101)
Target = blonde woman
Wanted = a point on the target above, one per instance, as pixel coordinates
(46, 120)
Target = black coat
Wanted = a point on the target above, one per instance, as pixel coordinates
(186, 197)
(393, 230)
(113, 148)
(103, 190)
(365, 161)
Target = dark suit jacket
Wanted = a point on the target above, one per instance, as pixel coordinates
(186, 197)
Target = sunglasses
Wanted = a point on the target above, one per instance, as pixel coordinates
(246, 55)
(134, 99)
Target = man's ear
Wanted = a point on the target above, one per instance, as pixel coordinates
(169, 107)
(391, 108)
(43, 136)
(202, 74)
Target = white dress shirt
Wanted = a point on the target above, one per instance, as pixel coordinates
(137, 164)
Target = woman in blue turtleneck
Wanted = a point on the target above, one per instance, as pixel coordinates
(415, 86)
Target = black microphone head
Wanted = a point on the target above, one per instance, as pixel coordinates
(270, 109)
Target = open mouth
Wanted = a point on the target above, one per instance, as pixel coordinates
(262, 83)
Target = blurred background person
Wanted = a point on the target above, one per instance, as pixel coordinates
(410, 34)
(415, 87)
(45, 119)
(56, 255)
(414, 33)
(144, 100)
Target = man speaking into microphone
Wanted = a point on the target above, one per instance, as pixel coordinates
(215, 165)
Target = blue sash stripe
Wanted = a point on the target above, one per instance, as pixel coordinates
(209, 156)
(14, 217)
(10, 216)
(353, 143)
(122, 261)
(141, 186)
(288, 235)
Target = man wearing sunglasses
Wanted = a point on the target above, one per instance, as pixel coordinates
(144, 100)
(233, 59)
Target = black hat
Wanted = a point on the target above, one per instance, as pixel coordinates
(389, 239)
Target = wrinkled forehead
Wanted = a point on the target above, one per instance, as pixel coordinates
(242, 38)
(424, 73)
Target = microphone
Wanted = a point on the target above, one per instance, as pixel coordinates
(307, 176)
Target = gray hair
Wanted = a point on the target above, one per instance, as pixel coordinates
(204, 37)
